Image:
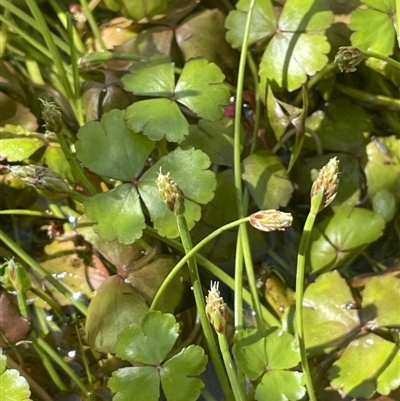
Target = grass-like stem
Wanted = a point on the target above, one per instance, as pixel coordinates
(316, 203)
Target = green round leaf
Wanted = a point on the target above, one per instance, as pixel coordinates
(381, 302)
(328, 314)
(267, 180)
(374, 30)
(117, 214)
(114, 307)
(110, 148)
(282, 349)
(181, 369)
(281, 385)
(142, 383)
(335, 239)
(188, 168)
(263, 23)
(201, 89)
(151, 78)
(357, 370)
(250, 353)
(157, 118)
(150, 341)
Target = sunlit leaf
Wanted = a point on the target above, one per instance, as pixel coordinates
(297, 46)
(329, 314)
(281, 385)
(267, 180)
(374, 27)
(381, 302)
(18, 143)
(335, 239)
(13, 386)
(357, 370)
(383, 167)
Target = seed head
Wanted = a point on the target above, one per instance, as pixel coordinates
(271, 220)
(327, 181)
(348, 57)
(216, 309)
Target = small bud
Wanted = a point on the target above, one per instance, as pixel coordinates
(216, 309)
(17, 276)
(40, 178)
(170, 193)
(51, 114)
(271, 220)
(327, 181)
(348, 57)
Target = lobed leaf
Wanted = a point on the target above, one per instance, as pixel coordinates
(117, 214)
(120, 153)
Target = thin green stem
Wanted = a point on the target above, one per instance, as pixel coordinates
(201, 307)
(243, 234)
(27, 38)
(93, 24)
(189, 254)
(91, 395)
(388, 60)
(216, 272)
(77, 100)
(102, 57)
(62, 16)
(238, 293)
(42, 272)
(55, 54)
(316, 202)
(41, 344)
(30, 213)
(377, 100)
(31, 22)
(51, 370)
(238, 300)
(236, 388)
